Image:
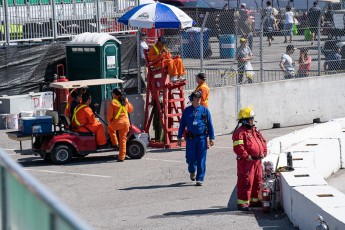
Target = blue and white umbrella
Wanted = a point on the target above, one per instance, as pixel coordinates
(157, 15)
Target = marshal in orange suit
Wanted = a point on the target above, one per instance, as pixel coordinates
(175, 65)
(118, 119)
(84, 119)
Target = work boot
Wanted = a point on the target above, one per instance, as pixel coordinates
(192, 176)
(199, 183)
(174, 79)
(243, 207)
(181, 78)
(255, 204)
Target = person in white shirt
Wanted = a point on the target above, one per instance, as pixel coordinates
(286, 64)
(289, 22)
(143, 46)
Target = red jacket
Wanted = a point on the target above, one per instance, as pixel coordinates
(249, 142)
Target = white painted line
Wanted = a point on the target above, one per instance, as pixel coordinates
(78, 174)
(153, 159)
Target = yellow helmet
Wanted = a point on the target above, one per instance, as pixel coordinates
(245, 113)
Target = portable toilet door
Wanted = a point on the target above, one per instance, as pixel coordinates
(94, 56)
(112, 65)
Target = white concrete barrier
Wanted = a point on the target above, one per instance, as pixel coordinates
(317, 153)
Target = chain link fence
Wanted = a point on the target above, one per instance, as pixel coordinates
(211, 46)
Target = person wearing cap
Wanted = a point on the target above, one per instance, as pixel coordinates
(197, 120)
(244, 55)
(286, 64)
(333, 61)
(250, 147)
(200, 78)
(245, 24)
(160, 54)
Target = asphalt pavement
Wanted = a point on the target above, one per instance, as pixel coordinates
(152, 193)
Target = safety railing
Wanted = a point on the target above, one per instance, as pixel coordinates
(27, 204)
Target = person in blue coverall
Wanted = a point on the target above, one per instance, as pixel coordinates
(197, 119)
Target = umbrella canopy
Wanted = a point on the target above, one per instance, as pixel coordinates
(157, 15)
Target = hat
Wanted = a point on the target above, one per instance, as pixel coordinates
(243, 40)
(162, 39)
(243, 4)
(290, 47)
(202, 76)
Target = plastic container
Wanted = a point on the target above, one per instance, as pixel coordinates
(205, 39)
(26, 113)
(12, 121)
(35, 125)
(227, 45)
(186, 45)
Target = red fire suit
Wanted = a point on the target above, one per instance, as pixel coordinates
(248, 142)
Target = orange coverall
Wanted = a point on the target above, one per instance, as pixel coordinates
(117, 115)
(205, 93)
(68, 105)
(175, 66)
(83, 116)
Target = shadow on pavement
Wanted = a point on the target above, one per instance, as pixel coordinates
(176, 185)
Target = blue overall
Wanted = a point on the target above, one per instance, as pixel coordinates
(199, 125)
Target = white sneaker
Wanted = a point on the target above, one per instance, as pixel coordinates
(173, 79)
(199, 183)
(182, 78)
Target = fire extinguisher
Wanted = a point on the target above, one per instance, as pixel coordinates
(266, 199)
(61, 94)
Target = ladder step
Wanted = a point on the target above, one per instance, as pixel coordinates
(172, 130)
(174, 115)
(176, 100)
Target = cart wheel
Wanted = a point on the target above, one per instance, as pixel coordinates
(61, 154)
(136, 149)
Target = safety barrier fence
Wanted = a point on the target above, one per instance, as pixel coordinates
(26, 204)
(230, 77)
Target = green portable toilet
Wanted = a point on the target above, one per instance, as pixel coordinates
(94, 56)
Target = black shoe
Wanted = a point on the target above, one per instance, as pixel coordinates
(243, 208)
(192, 176)
(102, 146)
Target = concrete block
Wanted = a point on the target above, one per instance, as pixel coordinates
(341, 121)
(334, 217)
(308, 201)
(298, 177)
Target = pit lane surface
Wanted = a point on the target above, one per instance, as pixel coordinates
(152, 193)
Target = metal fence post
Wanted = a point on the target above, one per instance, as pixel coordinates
(318, 48)
(138, 62)
(202, 42)
(7, 22)
(54, 21)
(98, 24)
(261, 48)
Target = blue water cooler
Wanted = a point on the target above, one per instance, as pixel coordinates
(205, 40)
(227, 45)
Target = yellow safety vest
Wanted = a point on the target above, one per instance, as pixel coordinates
(122, 107)
(156, 49)
(74, 118)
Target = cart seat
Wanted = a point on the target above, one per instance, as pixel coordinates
(55, 118)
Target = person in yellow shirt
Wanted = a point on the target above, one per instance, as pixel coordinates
(118, 119)
(200, 78)
(160, 53)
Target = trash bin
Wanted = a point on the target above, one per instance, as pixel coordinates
(186, 45)
(192, 48)
(227, 45)
(206, 39)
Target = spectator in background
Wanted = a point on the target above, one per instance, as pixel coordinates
(244, 55)
(314, 16)
(270, 22)
(304, 62)
(286, 63)
(289, 22)
(245, 25)
(333, 61)
(143, 46)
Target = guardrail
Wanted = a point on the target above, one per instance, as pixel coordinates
(27, 204)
